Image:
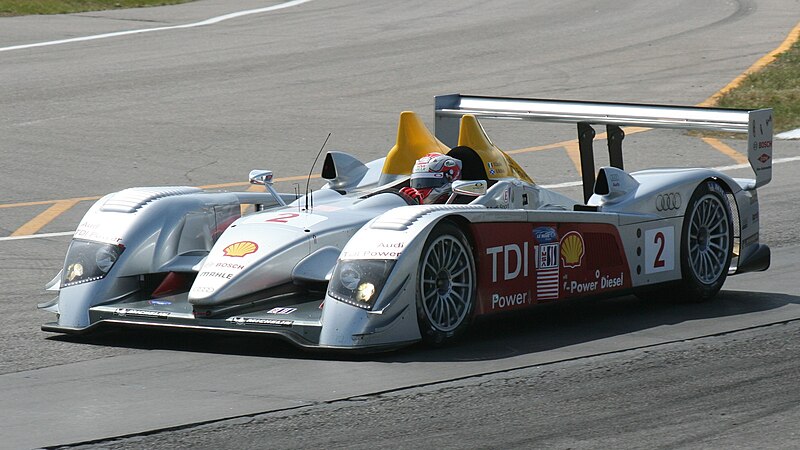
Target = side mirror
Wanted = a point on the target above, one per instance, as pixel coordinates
(260, 176)
(473, 188)
(264, 178)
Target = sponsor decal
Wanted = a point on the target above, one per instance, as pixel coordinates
(367, 254)
(234, 266)
(213, 274)
(755, 216)
(240, 249)
(763, 158)
(514, 261)
(601, 282)
(505, 301)
(544, 235)
(374, 247)
(547, 270)
(281, 310)
(131, 312)
(522, 258)
(666, 202)
(572, 249)
(495, 167)
(160, 302)
(91, 232)
(659, 250)
(259, 321)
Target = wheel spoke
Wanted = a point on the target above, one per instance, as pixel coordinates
(447, 260)
(458, 272)
(717, 261)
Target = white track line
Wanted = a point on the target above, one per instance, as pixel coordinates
(546, 186)
(36, 236)
(211, 21)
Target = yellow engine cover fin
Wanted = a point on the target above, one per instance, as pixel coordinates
(413, 142)
(497, 164)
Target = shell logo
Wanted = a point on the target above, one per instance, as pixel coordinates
(572, 249)
(239, 249)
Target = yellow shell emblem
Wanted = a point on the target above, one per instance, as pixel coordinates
(572, 249)
(240, 249)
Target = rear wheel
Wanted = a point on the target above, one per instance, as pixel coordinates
(706, 243)
(445, 285)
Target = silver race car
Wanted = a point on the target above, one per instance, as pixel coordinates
(359, 264)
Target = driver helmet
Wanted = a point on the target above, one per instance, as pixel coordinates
(433, 175)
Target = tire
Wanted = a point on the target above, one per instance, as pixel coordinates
(446, 285)
(706, 243)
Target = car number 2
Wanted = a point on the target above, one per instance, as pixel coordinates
(293, 219)
(659, 249)
(283, 217)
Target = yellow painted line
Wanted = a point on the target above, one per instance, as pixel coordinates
(539, 148)
(571, 146)
(574, 153)
(46, 202)
(726, 150)
(765, 60)
(44, 218)
(60, 206)
(208, 186)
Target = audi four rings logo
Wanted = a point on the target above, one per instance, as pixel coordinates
(669, 201)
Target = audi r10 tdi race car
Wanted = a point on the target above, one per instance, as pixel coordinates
(358, 264)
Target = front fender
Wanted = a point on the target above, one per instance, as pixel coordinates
(398, 235)
(161, 230)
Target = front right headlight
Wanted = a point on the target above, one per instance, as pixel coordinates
(359, 282)
(89, 261)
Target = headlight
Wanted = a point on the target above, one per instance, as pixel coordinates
(359, 282)
(89, 261)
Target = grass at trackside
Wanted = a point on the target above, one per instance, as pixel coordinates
(25, 7)
(776, 86)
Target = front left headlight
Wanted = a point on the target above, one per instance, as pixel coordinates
(89, 261)
(359, 282)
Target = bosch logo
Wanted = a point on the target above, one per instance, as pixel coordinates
(666, 202)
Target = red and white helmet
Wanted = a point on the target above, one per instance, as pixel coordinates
(433, 174)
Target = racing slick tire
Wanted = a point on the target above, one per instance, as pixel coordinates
(706, 243)
(446, 285)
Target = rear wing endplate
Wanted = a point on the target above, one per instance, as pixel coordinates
(756, 123)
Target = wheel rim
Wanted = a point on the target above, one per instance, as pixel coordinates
(709, 241)
(446, 283)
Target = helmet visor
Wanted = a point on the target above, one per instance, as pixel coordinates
(427, 180)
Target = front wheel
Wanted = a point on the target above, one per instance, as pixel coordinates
(446, 283)
(706, 243)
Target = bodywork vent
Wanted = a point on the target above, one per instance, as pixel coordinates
(400, 219)
(130, 200)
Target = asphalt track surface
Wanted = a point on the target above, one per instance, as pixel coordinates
(204, 105)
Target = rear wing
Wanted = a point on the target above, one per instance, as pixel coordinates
(756, 123)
